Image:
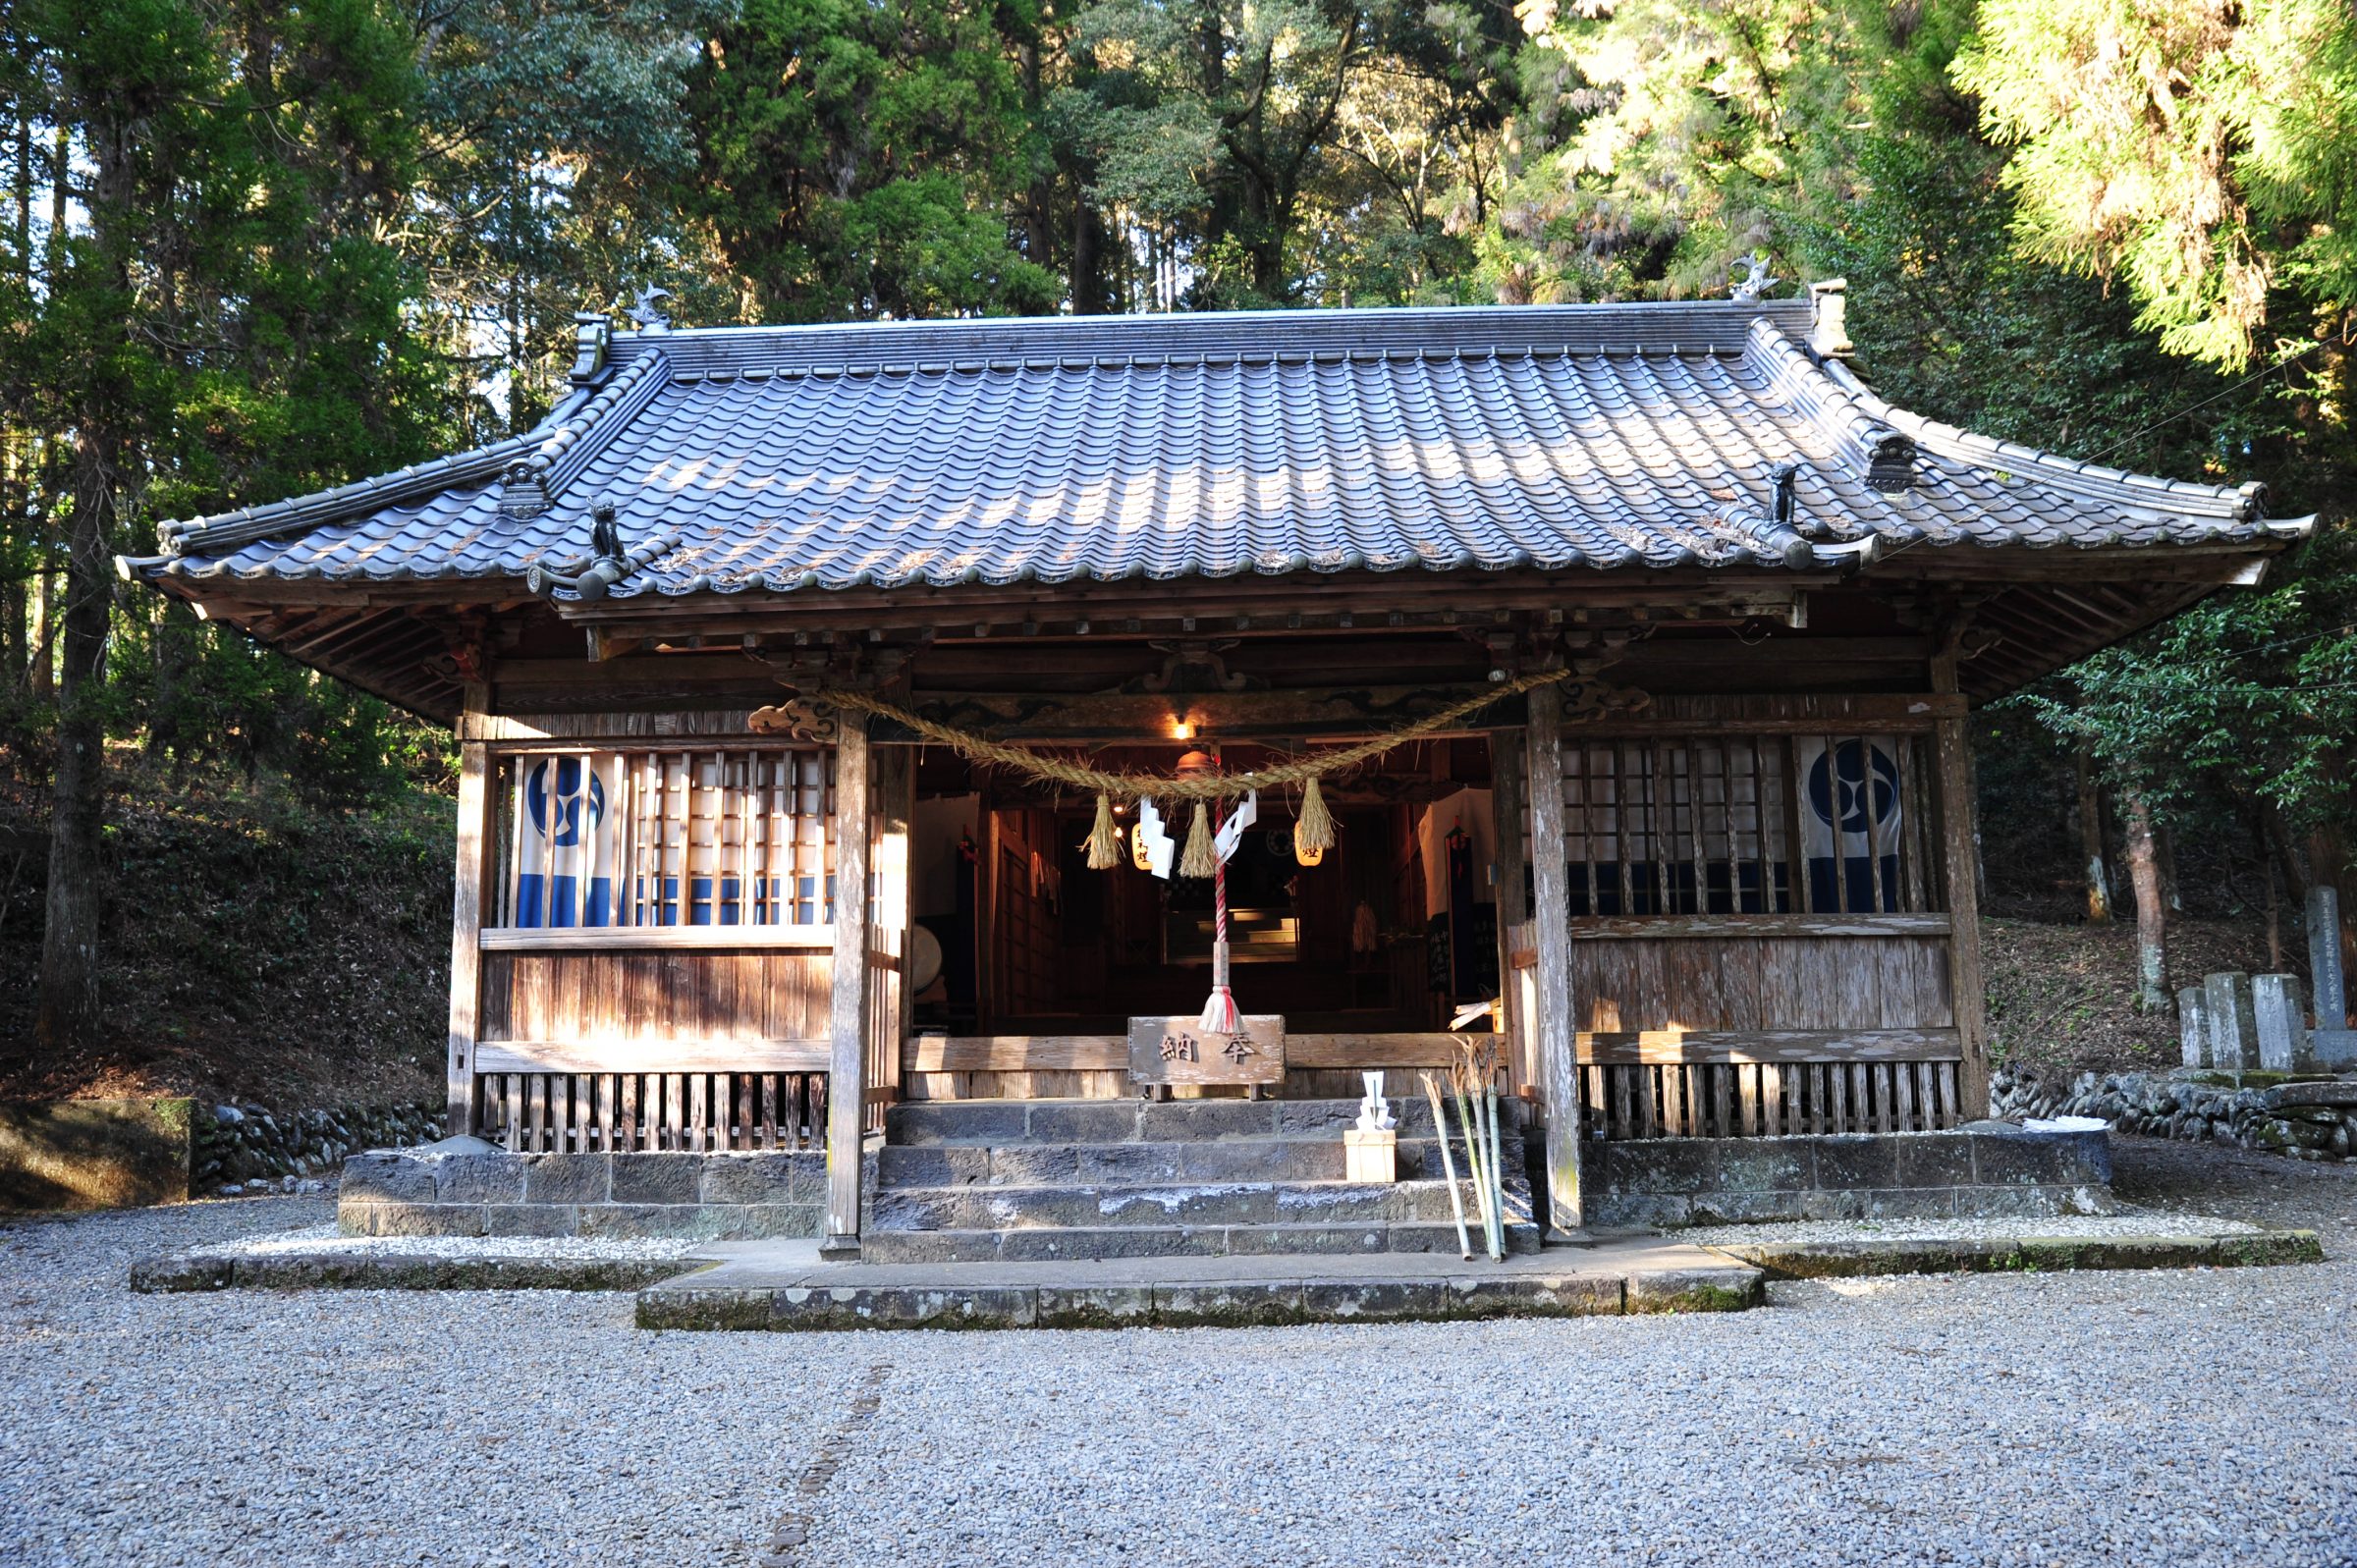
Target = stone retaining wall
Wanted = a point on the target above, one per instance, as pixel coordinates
(464, 1187)
(1981, 1171)
(245, 1147)
(2306, 1119)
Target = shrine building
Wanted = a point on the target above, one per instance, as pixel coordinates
(1651, 633)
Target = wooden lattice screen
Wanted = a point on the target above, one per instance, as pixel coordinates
(633, 838)
(1764, 824)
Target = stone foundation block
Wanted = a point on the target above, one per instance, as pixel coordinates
(413, 1220)
(657, 1179)
(478, 1178)
(566, 1178)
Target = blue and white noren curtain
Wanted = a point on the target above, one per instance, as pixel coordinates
(667, 838)
(566, 842)
(1850, 823)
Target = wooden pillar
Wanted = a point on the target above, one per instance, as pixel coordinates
(1506, 780)
(1952, 749)
(1551, 1030)
(847, 1025)
(465, 935)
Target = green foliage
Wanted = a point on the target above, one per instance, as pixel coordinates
(2203, 150)
(2254, 693)
(855, 160)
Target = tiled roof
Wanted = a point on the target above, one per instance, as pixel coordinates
(1163, 447)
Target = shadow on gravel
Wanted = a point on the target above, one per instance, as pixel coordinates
(2265, 1190)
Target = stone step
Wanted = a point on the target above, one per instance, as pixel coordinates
(1003, 1123)
(1243, 1202)
(1303, 1158)
(1098, 1243)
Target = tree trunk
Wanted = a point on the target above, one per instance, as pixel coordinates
(2091, 835)
(68, 1009)
(2164, 851)
(2151, 915)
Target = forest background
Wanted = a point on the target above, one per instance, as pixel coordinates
(250, 249)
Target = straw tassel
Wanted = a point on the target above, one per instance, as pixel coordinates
(1197, 860)
(1313, 828)
(1103, 848)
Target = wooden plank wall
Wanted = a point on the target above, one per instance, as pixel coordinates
(761, 994)
(1739, 984)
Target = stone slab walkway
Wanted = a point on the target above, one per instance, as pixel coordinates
(783, 1286)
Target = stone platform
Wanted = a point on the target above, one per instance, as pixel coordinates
(1987, 1170)
(783, 1286)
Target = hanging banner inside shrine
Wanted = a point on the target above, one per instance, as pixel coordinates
(1850, 794)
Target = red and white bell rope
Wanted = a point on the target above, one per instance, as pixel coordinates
(1219, 1013)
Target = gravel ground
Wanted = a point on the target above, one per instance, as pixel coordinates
(2194, 1417)
(325, 1239)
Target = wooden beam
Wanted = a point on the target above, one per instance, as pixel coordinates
(732, 725)
(1952, 749)
(1111, 1053)
(1784, 714)
(653, 1055)
(1016, 1053)
(473, 874)
(624, 939)
(1552, 1026)
(1776, 1047)
(1324, 713)
(1368, 1051)
(1638, 928)
(848, 1014)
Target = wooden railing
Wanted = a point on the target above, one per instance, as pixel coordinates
(608, 1113)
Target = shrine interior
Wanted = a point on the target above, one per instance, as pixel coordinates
(1390, 930)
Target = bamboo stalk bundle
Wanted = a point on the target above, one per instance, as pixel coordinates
(1456, 1200)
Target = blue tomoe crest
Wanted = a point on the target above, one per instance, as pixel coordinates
(573, 802)
(1837, 787)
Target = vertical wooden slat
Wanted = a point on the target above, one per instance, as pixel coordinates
(1697, 824)
(1833, 793)
(1551, 916)
(1873, 829)
(1660, 821)
(1772, 1100)
(1624, 848)
(1796, 849)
